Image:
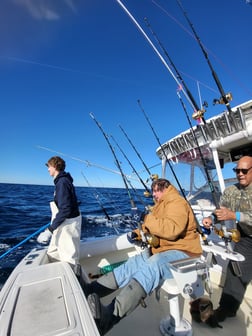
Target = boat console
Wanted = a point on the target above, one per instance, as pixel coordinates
(188, 280)
(191, 280)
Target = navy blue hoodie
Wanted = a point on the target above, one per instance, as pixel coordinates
(65, 199)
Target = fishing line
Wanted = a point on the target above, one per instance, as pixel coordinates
(87, 163)
(96, 195)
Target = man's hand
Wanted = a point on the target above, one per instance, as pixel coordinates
(207, 222)
(134, 236)
(44, 237)
(223, 214)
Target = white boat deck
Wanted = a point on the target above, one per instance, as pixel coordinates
(146, 321)
(45, 299)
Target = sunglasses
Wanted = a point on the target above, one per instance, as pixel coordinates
(244, 171)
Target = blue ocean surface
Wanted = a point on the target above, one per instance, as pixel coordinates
(24, 209)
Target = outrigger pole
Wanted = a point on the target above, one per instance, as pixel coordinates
(147, 191)
(225, 98)
(155, 49)
(133, 206)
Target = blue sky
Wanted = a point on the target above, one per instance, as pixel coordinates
(62, 59)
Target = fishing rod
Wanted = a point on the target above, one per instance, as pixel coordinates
(197, 111)
(225, 98)
(138, 197)
(223, 232)
(96, 195)
(209, 181)
(116, 160)
(204, 238)
(152, 176)
(134, 210)
(147, 191)
(163, 151)
(155, 50)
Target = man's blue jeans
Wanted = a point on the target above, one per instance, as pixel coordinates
(149, 272)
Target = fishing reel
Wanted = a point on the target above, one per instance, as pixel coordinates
(228, 235)
(142, 239)
(149, 208)
(228, 97)
(152, 240)
(147, 194)
(154, 177)
(198, 114)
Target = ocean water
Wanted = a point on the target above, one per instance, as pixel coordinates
(24, 209)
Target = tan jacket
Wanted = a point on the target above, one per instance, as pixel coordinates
(172, 220)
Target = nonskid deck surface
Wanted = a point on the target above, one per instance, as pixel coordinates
(44, 300)
(145, 321)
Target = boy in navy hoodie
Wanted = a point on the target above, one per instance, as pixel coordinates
(65, 228)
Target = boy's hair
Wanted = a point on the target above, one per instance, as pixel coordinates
(160, 184)
(57, 162)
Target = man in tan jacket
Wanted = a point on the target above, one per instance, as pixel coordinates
(172, 222)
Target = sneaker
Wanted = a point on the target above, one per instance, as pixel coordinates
(94, 305)
(103, 316)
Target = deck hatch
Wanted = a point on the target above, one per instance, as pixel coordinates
(40, 308)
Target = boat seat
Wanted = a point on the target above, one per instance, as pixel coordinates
(188, 279)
